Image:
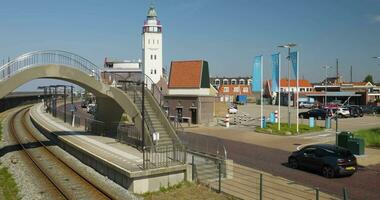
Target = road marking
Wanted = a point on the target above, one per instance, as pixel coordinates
(317, 136)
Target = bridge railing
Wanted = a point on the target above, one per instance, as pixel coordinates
(37, 58)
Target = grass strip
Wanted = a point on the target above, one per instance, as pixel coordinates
(286, 130)
(370, 136)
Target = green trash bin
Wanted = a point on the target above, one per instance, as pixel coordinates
(356, 146)
(342, 139)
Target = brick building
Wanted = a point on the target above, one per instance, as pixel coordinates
(189, 94)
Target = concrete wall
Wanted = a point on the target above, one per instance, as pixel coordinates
(204, 106)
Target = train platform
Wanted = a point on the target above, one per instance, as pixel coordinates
(107, 149)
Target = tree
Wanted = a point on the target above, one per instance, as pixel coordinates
(368, 78)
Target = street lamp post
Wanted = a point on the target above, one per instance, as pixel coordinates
(288, 46)
(326, 67)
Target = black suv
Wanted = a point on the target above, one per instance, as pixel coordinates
(328, 159)
(355, 111)
(316, 113)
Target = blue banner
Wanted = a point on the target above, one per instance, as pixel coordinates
(257, 70)
(294, 59)
(275, 72)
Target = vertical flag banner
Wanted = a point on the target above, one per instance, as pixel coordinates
(257, 67)
(275, 72)
(294, 60)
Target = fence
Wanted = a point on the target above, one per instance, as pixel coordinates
(128, 133)
(164, 156)
(69, 118)
(246, 183)
(94, 126)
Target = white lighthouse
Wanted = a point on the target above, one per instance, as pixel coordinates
(152, 46)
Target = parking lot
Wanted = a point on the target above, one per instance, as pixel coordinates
(347, 124)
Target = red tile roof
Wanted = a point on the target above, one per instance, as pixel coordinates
(185, 74)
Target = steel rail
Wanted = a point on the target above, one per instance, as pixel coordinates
(13, 133)
(60, 161)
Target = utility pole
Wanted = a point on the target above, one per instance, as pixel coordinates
(351, 73)
(337, 68)
(64, 103)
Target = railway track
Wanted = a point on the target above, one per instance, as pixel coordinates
(63, 181)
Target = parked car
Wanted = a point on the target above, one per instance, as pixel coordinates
(341, 112)
(316, 113)
(83, 104)
(329, 160)
(370, 109)
(91, 108)
(355, 111)
(232, 110)
(306, 105)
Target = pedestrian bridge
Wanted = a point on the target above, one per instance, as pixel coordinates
(53, 64)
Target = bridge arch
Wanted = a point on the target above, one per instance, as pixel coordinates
(112, 102)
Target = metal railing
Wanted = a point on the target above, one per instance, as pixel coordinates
(164, 156)
(94, 126)
(246, 183)
(128, 134)
(38, 58)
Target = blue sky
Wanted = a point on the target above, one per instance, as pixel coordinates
(228, 34)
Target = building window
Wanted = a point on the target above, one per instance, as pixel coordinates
(155, 72)
(242, 82)
(236, 89)
(151, 57)
(155, 57)
(233, 82)
(217, 82)
(151, 71)
(226, 89)
(245, 89)
(225, 81)
(153, 41)
(148, 41)
(249, 82)
(158, 41)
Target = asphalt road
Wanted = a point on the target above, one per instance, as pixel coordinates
(365, 184)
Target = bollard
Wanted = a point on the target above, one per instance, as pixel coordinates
(345, 194)
(328, 123)
(311, 122)
(264, 123)
(275, 116)
(227, 121)
(316, 193)
(192, 168)
(220, 177)
(261, 187)
(272, 117)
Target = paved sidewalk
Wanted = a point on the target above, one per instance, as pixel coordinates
(108, 149)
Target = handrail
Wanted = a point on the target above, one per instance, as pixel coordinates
(153, 90)
(36, 58)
